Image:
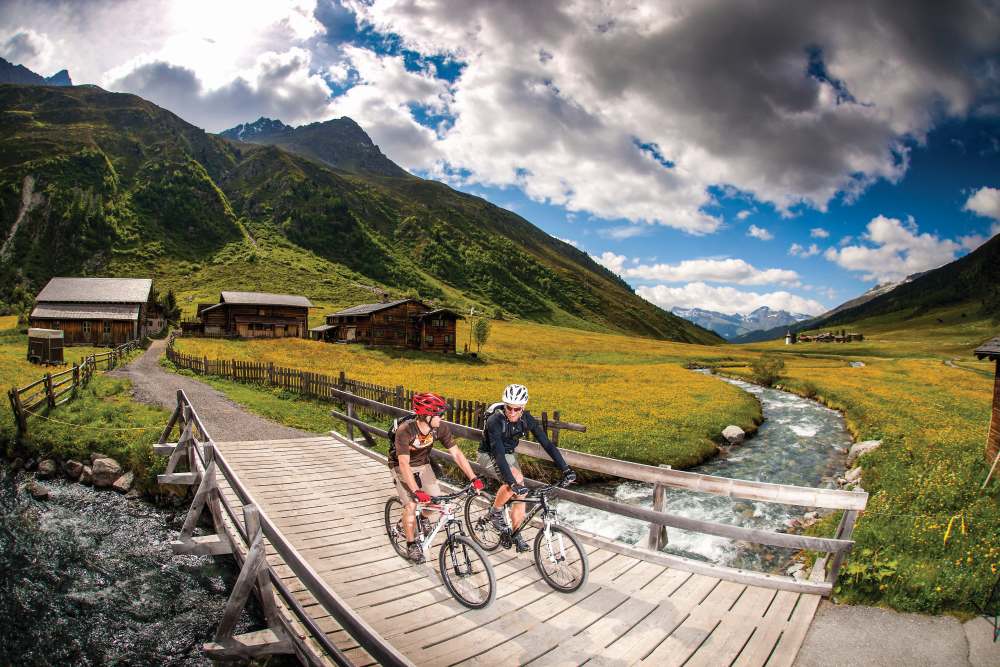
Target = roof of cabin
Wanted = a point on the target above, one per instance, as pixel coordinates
(369, 308)
(86, 311)
(96, 290)
(990, 348)
(264, 299)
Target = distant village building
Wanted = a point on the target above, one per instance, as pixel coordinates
(790, 338)
(991, 350)
(94, 311)
(826, 337)
(252, 315)
(406, 323)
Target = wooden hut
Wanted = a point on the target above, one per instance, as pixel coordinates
(94, 311)
(402, 323)
(45, 346)
(252, 315)
(991, 350)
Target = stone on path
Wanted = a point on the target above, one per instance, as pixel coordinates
(106, 471)
(859, 448)
(123, 483)
(87, 476)
(733, 434)
(73, 469)
(47, 469)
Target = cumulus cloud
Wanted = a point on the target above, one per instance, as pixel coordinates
(807, 103)
(575, 244)
(29, 48)
(759, 233)
(796, 250)
(726, 299)
(734, 271)
(818, 233)
(985, 202)
(743, 215)
(893, 250)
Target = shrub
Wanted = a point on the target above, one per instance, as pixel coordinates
(766, 370)
(809, 389)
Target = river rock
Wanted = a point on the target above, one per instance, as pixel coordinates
(123, 483)
(859, 448)
(87, 476)
(799, 575)
(73, 469)
(106, 471)
(857, 364)
(37, 491)
(797, 567)
(733, 434)
(853, 475)
(30, 464)
(133, 495)
(17, 464)
(47, 469)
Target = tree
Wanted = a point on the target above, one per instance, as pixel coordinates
(168, 304)
(498, 313)
(766, 370)
(481, 332)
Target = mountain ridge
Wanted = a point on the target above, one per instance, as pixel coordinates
(732, 326)
(127, 188)
(11, 73)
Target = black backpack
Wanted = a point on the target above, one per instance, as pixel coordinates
(491, 410)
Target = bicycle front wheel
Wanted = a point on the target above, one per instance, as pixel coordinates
(394, 525)
(560, 559)
(467, 573)
(477, 512)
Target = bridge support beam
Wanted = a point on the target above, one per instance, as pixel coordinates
(658, 532)
(253, 574)
(211, 545)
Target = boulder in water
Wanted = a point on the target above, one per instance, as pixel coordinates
(859, 448)
(123, 483)
(37, 491)
(17, 464)
(73, 469)
(47, 469)
(87, 476)
(733, 434)
(106, 471)
(853, 475)
(133, 495)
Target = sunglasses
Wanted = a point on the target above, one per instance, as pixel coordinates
(514, 408)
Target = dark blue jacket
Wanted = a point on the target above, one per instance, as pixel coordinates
(502, 436)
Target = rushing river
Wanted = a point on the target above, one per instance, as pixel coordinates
(87, 578)
(800, 442)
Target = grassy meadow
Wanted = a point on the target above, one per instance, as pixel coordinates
(102, 418)
(633, 394)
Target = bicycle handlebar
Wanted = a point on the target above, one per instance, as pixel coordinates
(451, 496)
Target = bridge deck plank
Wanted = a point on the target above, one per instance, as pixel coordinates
(328, 500)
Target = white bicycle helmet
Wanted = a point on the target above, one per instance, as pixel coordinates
(515, 394)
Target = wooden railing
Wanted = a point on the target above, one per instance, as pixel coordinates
(327, 387)
(54, 389)
(243, 534)
(821, 581)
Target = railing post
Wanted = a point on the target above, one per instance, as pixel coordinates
(19, 417)
(76, 378)
(270, 373)
(342, 381)
(350, 426)
(399, 396)
(555, 428)
(657, 532)
(49, 395)
(844, 531)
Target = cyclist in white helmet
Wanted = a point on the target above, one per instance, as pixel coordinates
(500, 436)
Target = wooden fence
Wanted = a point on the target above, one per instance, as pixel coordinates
(328, 388)
(54, 389)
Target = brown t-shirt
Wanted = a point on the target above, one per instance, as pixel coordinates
(410, 441)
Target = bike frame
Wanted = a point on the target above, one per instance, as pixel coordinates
(447, 517)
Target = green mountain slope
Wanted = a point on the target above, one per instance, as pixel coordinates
(93, 182)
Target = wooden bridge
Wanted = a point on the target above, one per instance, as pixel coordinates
(304, 517)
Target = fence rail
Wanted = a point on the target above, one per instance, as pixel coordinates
(328, 388)
(54, 389)
(836, 548)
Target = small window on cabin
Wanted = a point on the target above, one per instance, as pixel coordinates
(447, 338)
(86, 327)
(55, 324)
(107, 327)
(429, 340)
(260, 312)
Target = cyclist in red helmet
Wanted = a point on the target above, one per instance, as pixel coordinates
(410, 462)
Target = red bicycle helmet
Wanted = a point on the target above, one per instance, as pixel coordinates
(429, 404)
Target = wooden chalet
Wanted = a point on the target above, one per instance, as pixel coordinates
(252, 315)
(406, 323)
(991, 350)
(94, 311)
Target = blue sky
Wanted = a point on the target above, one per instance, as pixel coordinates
(717, 155)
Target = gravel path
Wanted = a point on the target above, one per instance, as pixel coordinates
(224, 419)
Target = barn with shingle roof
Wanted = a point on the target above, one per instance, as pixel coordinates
(252, 315)
(403, 323)
(94, 311)
(991, 350)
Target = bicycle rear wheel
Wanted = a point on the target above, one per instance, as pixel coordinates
(394, 525)
(477, 512)
(560, 559)
(467, 573)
